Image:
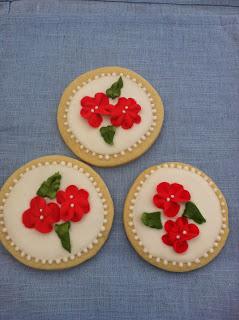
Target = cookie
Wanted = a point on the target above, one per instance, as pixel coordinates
(175, 217)
(55, 213)
(110, 116)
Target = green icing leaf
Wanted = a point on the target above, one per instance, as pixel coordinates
(108, 134)
(152, 219)
(115, 90)
(191, 211)
(49, 187)
(62, 230)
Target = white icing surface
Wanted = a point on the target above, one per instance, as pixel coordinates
(90, 137)
(201, 194)
(48, 246)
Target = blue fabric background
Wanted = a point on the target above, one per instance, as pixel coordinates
(190, 54)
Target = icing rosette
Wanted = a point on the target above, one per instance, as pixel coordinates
(169, 196)
(178, 234)
(41, 215)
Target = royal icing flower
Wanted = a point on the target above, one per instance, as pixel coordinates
(169, 196)
(178, 233)
(125, 113)
(94, 107)
(74, 203)
(41, 215)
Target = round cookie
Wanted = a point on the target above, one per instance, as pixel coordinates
(110, 116)
(55, 213)
(175, 217)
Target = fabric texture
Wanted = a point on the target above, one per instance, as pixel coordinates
(190, 54)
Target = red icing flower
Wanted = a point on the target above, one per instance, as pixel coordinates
(178, 233)
(74, 203)
(125, 113)
(41, 215)
(93, 108)
(167, 197)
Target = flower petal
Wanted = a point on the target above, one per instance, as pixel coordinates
(173, 234)
(28, 219)
(181, 222)
(192, 231)
(53, 212)
(174, 188)
(127, 122)
(88, 102)
(101, 99)
(84, 204)
(132, 115)
(61, 196)
(71, 190)
(180, 246)
(117, 120)
(182, 196)
(134, 107)
(131, 103)
(85, 113)
(171, 208)
(95, 120)
(169, 225)
(78, 214)
(166, 240)
(159, 202)
(82, 193)
(37, 203)
(117, 110)
(43, 226)
(66, 213)
(122, 102)
(137, 119)
(163, 189)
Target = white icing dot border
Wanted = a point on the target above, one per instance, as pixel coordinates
(156, 260)
(85, 253)
(130, 153)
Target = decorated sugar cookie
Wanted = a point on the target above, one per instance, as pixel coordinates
(55, 213)
(110, 116)
(175, 217)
